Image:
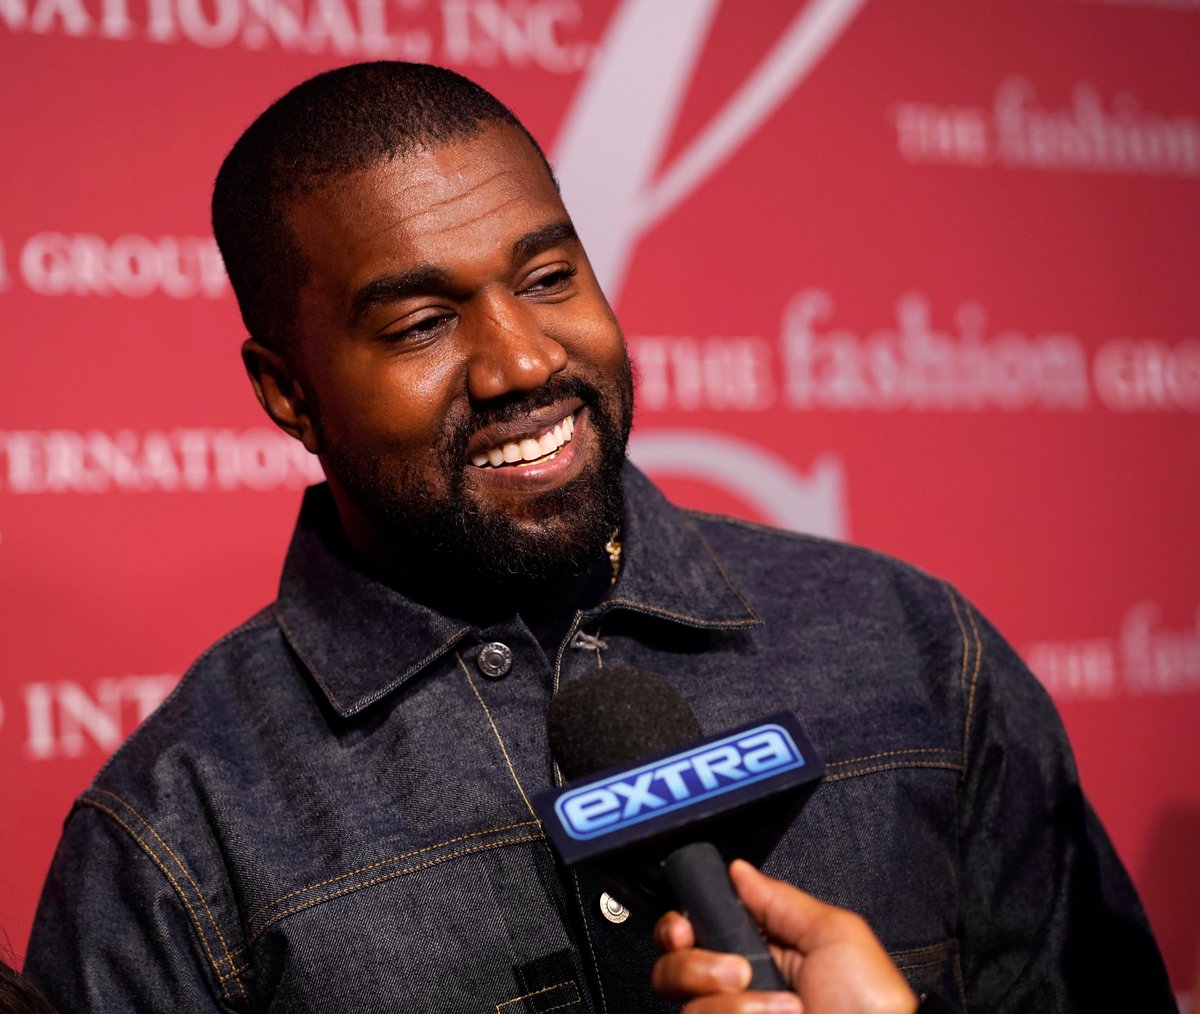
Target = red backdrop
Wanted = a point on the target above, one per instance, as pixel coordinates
(917, 273)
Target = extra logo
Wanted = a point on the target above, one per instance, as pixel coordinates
(687, 779)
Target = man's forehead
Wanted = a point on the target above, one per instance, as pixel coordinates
(429, 219)
(417, 179)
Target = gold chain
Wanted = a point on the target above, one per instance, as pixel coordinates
(613, 549)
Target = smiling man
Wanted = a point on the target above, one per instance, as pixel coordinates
(450, 356)
(332, 811)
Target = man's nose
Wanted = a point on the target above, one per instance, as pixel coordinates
(510, 351)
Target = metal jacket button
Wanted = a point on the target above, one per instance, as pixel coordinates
(612, 910)
(495, 660)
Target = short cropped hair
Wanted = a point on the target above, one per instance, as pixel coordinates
(335, 123)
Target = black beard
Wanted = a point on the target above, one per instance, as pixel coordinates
(451, 547)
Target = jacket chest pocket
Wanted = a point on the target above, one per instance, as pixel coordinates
(481, 931)
(549, 986)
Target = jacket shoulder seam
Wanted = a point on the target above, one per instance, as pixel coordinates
(971, 662)
(224, 966)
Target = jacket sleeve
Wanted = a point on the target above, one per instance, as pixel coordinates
(123, 926)
(1049, 919)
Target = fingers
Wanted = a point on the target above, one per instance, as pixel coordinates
(828, 954)
(673, 933)
(792, 916)
(747, 1003)
(715, 981)
(682, 974)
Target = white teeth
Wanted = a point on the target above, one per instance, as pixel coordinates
(528, 448)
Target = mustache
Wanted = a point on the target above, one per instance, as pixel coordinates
(516, 405)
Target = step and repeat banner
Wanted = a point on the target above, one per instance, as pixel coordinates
(920, 274)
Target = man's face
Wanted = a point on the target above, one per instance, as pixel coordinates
(467, 384)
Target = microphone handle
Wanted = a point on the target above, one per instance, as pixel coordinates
(700, 880)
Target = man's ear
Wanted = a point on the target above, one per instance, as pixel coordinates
(280, 392)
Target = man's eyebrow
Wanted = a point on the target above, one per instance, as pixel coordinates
(552, 235)
(391, 288)
(423, 278)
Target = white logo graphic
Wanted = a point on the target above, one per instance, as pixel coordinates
(163, 461)
(920, 360)
(915, 365)
(1088, 135)
(1145, 659)
(1148, 375)
(485, 33)
(710, 374)
(628, 103)
(815, 503)
(181, 267)
(65, 719)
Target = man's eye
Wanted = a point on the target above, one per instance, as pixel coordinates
(551, 281)
(426, 327)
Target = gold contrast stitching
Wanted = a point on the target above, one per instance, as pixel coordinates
(918, 952)
(187, 873)
(179, 862)
(308, 663)
(728, 580)
(974, 678)
(922, 964)
(383, 862)
(562, 650)
(236, 971)
(945, 765)
(962, 674)
(388, 876)
(560, 1006)
(538, 992)
(496, 732)
(952, 596)
(414, 668)
(958, 980)
(888, 753)
(684, 618)
(174, 883)
(354, 707)
(587, 934)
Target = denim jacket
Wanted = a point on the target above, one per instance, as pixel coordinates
(332, 811)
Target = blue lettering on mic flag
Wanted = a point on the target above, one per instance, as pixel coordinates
(684, 779)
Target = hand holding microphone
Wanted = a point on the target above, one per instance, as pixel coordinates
(651, 805)
(828, 956)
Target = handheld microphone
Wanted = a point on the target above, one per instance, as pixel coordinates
(657, 810)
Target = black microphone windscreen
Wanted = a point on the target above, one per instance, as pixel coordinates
(615, 716)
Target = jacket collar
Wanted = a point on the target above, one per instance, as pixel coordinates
(361, 639)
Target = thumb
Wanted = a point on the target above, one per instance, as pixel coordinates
(788, 915)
